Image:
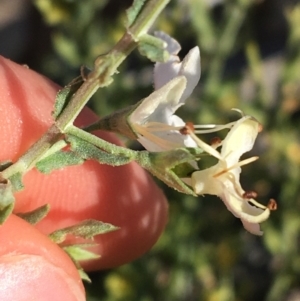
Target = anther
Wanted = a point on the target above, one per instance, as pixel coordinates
(250, 194)
(215, 142)
(272, 205)
(187, 129)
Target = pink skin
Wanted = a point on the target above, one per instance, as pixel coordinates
(124, 196)
(34, 268)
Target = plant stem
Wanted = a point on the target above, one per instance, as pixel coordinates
(105, 66)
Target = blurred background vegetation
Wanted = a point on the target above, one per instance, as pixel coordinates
(250, 53)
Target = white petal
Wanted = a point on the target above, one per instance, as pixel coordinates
(257, 218)
(163, 141)
(191, 69)
(249, 215)
(164, 72)
(252, 228)
(239, 140)
(161, 104)
(203, 182)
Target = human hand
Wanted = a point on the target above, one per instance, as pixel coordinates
(124, 196)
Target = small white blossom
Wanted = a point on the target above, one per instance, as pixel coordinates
(154, 120)
(223, 179)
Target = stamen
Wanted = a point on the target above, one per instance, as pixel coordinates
(272, 205)
(213, 127)
(239, 111)
(215, 142)
(239, 164)
(160, 127)
(205, 147)
(238, 189)
(250, 194)
(163, 143)
(257, 204)
(187, 129)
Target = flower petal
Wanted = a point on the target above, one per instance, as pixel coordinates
(164, 72)
(250, 216)
(239, 140)
(191, 69)
(253, 228)
(160, 104)
(203, 182)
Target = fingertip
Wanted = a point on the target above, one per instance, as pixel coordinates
(32, 267)
(32, 277)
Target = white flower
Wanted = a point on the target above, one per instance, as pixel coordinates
(223, 178)
(153, 121)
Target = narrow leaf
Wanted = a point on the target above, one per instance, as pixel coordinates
(84, 276)
(78, 253)
(134, 11)
(16, 181)
(87, 150)
(64, 96)
(153, 48)
(86, 229)
(36, 215)
(58, 160)
(6, 212)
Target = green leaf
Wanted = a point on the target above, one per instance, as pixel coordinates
(79, 253)
(153, 48)
(36, 215)
(16, 181)
(87, 150)
(134, 11)
(86, 229)
(6, 212)
(84, 276)
(64, 96)
(58, 160)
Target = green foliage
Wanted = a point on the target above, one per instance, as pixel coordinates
(36, 215)
(133, 11)
(88, 151)
(58, 160)
(86, 229)
(64, 95)
(152, 48)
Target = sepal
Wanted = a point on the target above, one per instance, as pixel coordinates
(165, 164)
